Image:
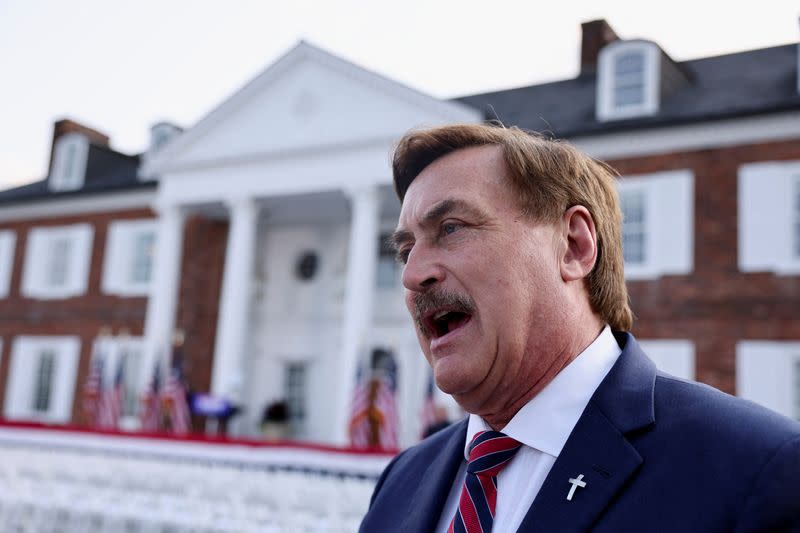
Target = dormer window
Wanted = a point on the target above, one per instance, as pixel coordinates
(70, 155)
(160, 135)
(628, 80)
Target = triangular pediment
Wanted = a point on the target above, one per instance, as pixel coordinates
(307, 100)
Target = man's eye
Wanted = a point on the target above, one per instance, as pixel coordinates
(450, 227)
(402, 256)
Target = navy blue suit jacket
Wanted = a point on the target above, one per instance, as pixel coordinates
(657, 454)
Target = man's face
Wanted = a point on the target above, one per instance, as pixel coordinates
(482, 282)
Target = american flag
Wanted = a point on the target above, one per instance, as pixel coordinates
(110, 404)
(150, 413)
(174, 397)
(386, 408)
(374, 420)
(427, 415)
(359, 412)
(92, 389)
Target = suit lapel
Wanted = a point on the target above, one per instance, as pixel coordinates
(598, 447)
(435, 484)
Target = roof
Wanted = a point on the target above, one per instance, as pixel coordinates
(726, 86)
(106, 171)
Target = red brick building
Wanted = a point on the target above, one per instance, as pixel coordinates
(257, 232)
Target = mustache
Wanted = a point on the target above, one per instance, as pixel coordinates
(425, 302)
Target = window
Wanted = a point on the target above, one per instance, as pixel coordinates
(388, 273)
(796, 216)
(796, 388)
(768, 372)
(675, 357)
(57, 261)
(142, 264)
(658, 221)
(295, 379)
(128, 263)
(628, 80)
(634, 227)
(70, 155)
(57, 272)
(769, 217)
(44, 380)
(126, 351)
(41, 382)
(7, 242)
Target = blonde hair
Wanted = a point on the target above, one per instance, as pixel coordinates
(550, 176)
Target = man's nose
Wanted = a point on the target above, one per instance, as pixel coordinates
(422, 271)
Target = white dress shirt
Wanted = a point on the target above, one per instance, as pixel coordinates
(543, 426)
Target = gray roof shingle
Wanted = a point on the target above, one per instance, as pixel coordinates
(727, 86)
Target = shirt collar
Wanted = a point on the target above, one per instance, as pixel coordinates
(546, 421)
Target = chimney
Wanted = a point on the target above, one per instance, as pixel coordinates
(64, 126)
(595, 34)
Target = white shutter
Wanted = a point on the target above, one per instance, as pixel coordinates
(7, 241)
(674, 357)
(66, 371)
(765, 373)
(765, 217)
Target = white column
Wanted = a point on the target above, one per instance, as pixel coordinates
(163, 300)
(359, 292)
(227, 378)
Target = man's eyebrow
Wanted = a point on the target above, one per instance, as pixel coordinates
(439, 211)
(446, 207)
(399, 238)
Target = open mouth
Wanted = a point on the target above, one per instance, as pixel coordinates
(440, 323)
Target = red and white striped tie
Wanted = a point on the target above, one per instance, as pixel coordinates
(489, 453)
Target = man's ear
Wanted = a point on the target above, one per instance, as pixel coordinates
(581, 252)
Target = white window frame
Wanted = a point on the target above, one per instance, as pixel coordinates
(8, 240)
(766, 374)
(111, 350)
(70, 157)
(39, 249)
(673, 356)
(25, 353)
(606, 80)
(120, 258)
(768, 192)
(669, 223)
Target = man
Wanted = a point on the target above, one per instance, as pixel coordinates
(514, 276)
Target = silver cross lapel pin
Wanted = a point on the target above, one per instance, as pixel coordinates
(575, 482)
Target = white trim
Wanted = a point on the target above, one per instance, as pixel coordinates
(449, 111)
(606, 80)
(21, 378)
(38, 254)
(669, 223)
(70, 157)
(766, 202)
(707, 134)
(119, 259)
(673, 356)
(8, 239)
(57, 208)
(766, 374)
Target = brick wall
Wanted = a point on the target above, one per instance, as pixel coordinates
(83, 315)
(200, 290)
(716, 305)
